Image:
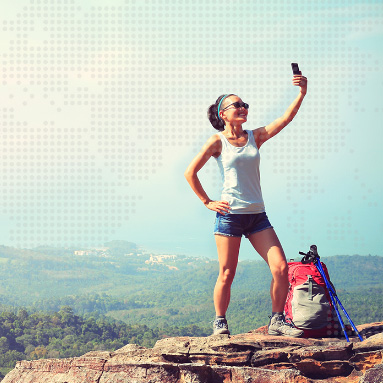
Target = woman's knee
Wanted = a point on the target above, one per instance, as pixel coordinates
(280, 271)
(226, 276)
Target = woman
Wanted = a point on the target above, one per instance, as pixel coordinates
(241, 211)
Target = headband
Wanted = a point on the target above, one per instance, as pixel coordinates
(219, 105)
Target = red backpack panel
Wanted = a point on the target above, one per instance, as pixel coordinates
(308, 304)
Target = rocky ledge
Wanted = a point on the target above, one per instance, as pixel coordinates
(253, 357)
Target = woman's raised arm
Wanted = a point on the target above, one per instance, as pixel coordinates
(264, 133)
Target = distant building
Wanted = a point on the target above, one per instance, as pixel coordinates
(159, 258)
(97, 252)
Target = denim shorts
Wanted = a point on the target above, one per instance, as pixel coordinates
(236, 225)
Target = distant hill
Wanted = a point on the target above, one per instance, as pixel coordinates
(140, 287)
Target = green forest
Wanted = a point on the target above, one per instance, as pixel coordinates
(58, 303)
(63, 334)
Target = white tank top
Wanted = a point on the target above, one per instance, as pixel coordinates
(239, 167)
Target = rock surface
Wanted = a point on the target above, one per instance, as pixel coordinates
(253, 357)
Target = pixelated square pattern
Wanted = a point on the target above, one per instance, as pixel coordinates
(95, 96)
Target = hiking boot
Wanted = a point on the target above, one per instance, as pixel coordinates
(220, 327)
(278, 326)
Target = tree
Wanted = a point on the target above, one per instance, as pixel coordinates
(22, 315)
(4, 345)
(67, 315)
(39, 353)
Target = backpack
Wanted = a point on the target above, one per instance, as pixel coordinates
(308, 304)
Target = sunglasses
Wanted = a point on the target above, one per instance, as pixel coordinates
(238, 104)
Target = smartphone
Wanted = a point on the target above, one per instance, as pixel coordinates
(295, 68)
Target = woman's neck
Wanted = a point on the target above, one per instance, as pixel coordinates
(234, 130)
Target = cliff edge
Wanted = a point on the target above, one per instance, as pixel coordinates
(254, 357)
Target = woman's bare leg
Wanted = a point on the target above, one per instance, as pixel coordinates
(228, 250)
(267, 244)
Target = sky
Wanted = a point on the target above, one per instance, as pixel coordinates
(103, 106)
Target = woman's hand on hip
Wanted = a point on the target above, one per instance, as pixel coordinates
(221, 207)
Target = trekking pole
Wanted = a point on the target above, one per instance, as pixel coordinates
(313, 256)
(333, 294)
(321, 271)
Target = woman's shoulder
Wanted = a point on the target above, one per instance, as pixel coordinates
(216, 136)
(257, 133)
(214, 139)
(214, 144)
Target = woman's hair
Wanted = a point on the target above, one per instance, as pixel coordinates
(212, 114)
